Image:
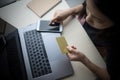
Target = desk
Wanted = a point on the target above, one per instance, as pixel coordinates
(19, 16)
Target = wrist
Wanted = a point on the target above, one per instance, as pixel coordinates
(85, 60)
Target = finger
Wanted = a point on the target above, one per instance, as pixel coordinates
(69, 56)
(55, 14)
(73, 47)
(69, 48)
(55, 19)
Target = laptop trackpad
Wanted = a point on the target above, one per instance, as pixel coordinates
(61, 68)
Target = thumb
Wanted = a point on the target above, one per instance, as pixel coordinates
(70, 49)
(73, 47)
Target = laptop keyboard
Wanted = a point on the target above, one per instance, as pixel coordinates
(38, 58)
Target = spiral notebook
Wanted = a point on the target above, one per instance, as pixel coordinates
(41, 7)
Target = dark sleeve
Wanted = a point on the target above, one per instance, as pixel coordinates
(113, 60)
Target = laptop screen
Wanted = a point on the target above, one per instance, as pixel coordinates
(6, 2)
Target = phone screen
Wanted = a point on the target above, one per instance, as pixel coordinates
(44, 26)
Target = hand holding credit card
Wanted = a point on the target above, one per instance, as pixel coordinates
(62, 44)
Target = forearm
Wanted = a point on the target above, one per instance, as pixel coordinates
(100, 72)
(75, 10)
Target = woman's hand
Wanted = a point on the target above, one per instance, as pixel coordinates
(60, 16)
(74, 54)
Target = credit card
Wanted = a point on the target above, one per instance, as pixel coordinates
(62, 44)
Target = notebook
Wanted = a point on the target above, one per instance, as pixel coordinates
(42, 55)
(41, 7)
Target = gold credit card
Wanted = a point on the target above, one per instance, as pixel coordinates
(62, 44)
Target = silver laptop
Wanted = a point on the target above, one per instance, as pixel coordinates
(42, 56)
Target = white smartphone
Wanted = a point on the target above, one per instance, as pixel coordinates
(44, 26)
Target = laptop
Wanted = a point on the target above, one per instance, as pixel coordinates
(42, 56)
(6, 2)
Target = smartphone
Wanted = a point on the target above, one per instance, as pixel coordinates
(44, 26)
